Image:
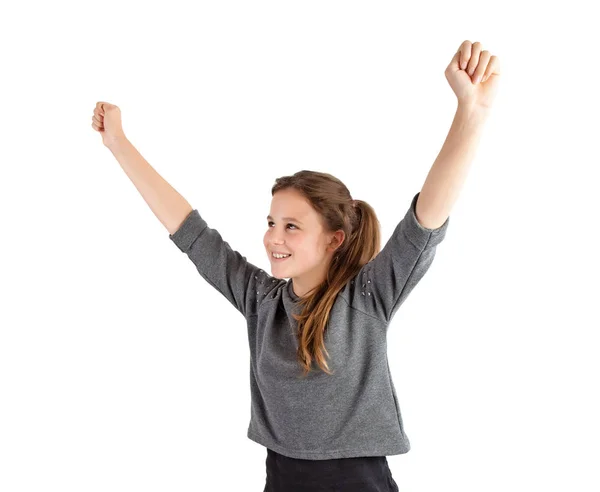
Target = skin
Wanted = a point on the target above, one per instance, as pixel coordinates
(311, 246)
(474, 76)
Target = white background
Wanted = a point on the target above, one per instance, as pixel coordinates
(121, 369)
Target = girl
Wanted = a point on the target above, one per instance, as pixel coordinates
(323, 401)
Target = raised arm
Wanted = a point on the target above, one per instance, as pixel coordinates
(242, 283)
(473, 75)
(383, 284)
(448, 173)
(167, 204)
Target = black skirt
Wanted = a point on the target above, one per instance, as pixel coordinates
(364, 474)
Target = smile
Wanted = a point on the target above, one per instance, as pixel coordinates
(280, 259)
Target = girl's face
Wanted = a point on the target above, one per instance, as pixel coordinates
(295, 228)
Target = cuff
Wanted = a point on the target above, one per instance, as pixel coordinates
(420, 236)
(188, 231)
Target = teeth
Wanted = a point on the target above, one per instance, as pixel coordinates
(280, 256)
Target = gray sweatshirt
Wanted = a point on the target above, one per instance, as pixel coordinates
(353, 412)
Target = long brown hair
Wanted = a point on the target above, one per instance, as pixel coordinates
(332, 200)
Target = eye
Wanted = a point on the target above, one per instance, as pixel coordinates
(269, 224)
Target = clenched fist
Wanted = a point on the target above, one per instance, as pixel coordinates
(107, 120)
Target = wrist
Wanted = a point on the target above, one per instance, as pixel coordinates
(472, 109)
(117, 143)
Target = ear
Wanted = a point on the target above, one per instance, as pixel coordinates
(337, 239)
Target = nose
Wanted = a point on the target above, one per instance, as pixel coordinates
(275, 241)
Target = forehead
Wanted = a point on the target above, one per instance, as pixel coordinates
(291, 205)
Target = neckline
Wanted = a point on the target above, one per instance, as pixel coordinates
(291, 291)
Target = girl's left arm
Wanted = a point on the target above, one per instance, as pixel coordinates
(473, 75)
(448, 173)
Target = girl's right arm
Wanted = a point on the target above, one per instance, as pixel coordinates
(167, 204)
(242, 283)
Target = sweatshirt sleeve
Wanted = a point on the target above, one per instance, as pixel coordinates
(241, 282)
(383, 284)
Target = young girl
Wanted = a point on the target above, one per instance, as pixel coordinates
(323, 401)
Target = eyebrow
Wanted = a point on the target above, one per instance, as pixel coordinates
(286, 218)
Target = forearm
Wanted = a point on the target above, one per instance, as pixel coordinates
(168, 205)
(449, 171)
